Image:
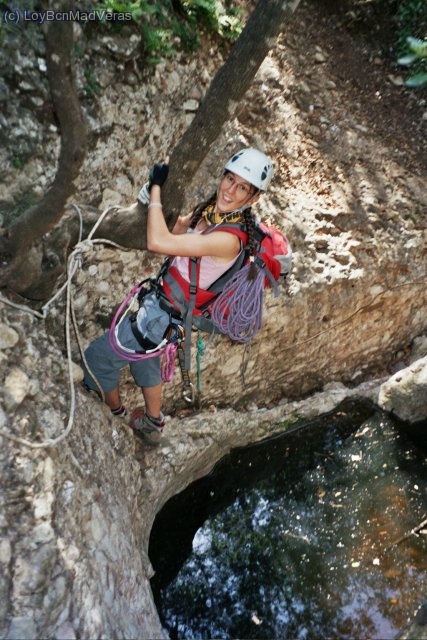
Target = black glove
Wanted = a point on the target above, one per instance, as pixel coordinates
(159, 174)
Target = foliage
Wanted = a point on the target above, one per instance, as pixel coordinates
(411, 20)
(168, 25)
(92, 87)
(214, 15)
(417, 57)
(9, 27)
(399, 26)
(411, 45)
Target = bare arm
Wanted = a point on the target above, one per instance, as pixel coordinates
(182, 224)
(160, 240)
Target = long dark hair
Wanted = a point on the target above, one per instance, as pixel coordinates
(198, 210)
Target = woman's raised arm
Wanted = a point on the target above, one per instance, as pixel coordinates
(160, 240)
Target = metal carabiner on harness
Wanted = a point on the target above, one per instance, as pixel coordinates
(174, 333)
(188, 393)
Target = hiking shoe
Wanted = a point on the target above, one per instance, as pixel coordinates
(148, 428)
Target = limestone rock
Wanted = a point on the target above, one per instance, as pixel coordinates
(8, 337)
(418, 349)
(405, 394)
(16, 385)
(75, 529)
(111, 197)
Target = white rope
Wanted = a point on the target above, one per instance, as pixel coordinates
(74, 262)
(55, 441)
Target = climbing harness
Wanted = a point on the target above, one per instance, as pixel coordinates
(171, 344)
(166, 348)
(232, 305)
(74, 262)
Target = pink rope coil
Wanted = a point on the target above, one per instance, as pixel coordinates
(167, 351)
(168, 361)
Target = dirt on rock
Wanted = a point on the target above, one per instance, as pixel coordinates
(368, 81)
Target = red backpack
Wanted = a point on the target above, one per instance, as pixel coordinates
(232, 304)
(274, 251)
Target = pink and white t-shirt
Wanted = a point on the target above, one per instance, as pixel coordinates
(210, 269)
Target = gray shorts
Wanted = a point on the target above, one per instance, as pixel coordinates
(106, 365)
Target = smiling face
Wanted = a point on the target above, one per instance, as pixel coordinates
(233, 193)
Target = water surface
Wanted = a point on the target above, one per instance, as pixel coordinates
(306, 536)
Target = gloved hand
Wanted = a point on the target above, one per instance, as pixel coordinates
(159, 174)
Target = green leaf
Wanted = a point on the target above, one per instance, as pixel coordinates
(408, 59)
(419, 47)
(417, 80)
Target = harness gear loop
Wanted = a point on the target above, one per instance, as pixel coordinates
(173, 334)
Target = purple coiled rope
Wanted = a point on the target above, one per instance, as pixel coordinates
(237, 311)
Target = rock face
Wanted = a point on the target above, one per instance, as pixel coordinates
(77, 514)
(341, 324)
(79, 494)
(78, 510)
(405, 394)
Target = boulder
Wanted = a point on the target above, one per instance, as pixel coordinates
(405, 393)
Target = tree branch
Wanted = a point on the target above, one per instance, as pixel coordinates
(128, 226)
(40, 218)
(224, 95)
(219, 105)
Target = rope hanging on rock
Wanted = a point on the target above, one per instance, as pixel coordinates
(243, 325)
(237, 311)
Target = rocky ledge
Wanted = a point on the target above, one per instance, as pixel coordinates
(78, 512)
(405, 394)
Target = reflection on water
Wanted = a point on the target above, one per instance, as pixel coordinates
(317, 550)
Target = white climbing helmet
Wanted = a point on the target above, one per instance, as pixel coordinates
(252, 165)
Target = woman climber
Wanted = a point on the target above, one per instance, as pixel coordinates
(245, 177)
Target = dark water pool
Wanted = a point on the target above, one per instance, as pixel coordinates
(304, 536)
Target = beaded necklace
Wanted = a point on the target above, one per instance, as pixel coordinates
(210, 216)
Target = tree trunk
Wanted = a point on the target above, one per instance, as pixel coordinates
(36, 275)
(21, 251)
(224, 96)
(219, 105)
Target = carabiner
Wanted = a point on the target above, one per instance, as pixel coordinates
(188, 396)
